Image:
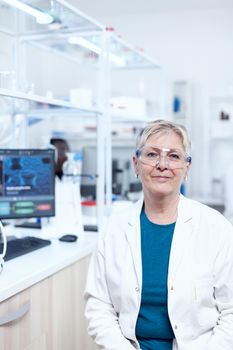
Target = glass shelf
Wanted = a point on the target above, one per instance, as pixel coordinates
(65, 18)
(121, 54)
(132, 58)
(36, 108)
(41, 102)
(20, 111)
(69, 24)
(58, 43)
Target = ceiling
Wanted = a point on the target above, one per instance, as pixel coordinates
(108, 8)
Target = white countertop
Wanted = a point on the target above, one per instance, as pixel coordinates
(26, 270)
(22, 272)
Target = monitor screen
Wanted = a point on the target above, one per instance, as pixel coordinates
(27, 184)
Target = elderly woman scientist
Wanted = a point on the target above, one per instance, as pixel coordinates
(162, 275)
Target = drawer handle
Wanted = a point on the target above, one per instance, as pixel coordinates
(15, 315)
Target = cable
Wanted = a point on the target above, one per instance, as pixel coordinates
(3, 253)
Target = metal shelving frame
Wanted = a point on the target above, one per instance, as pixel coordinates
(109, 44)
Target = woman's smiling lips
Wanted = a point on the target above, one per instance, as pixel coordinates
(161, 178)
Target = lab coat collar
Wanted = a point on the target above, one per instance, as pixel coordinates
(181, 237)
(184, 211)
(133, 236)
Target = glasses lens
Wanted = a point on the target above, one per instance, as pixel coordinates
(149, 156)
(173, 158)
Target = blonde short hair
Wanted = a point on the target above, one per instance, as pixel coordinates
(163, 127)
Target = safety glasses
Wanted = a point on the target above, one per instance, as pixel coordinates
(172, 158)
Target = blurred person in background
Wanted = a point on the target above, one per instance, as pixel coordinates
(62, 148)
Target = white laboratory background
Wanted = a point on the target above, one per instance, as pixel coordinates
(152, 59)
(193, 45)
(192, 41)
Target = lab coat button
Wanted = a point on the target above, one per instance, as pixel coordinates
(176, 327)
(137, 289)
(172, 288)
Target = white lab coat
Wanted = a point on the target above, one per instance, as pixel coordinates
(200, 280)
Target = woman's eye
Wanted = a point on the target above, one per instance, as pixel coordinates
(152, 155)
(174, 156)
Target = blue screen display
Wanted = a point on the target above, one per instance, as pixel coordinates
(27, 183)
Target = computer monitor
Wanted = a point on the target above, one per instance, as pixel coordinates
(27, 185)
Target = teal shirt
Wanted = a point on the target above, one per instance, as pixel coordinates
(153, 328)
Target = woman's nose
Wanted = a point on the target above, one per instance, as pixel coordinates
(162, 162)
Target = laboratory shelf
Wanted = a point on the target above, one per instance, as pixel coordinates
(63, 30)
(88, 46)
(64, 17)
(40, 103)
(132, 58)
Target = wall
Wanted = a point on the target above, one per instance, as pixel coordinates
(195, 46)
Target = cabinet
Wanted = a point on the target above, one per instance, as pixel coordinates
(30, 331)
(37, 320)
(54, 314)
(68, 326)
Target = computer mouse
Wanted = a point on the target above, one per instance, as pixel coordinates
(68, 238)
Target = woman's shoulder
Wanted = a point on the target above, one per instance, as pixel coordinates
(207, 213)
(125, 211)
(123, 215)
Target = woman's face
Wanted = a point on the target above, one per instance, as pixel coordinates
(163, 178)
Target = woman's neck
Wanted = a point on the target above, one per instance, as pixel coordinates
(161, 210)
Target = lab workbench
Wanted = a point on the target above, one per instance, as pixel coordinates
(41, 297)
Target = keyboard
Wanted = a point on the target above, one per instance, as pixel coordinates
(20, 246)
